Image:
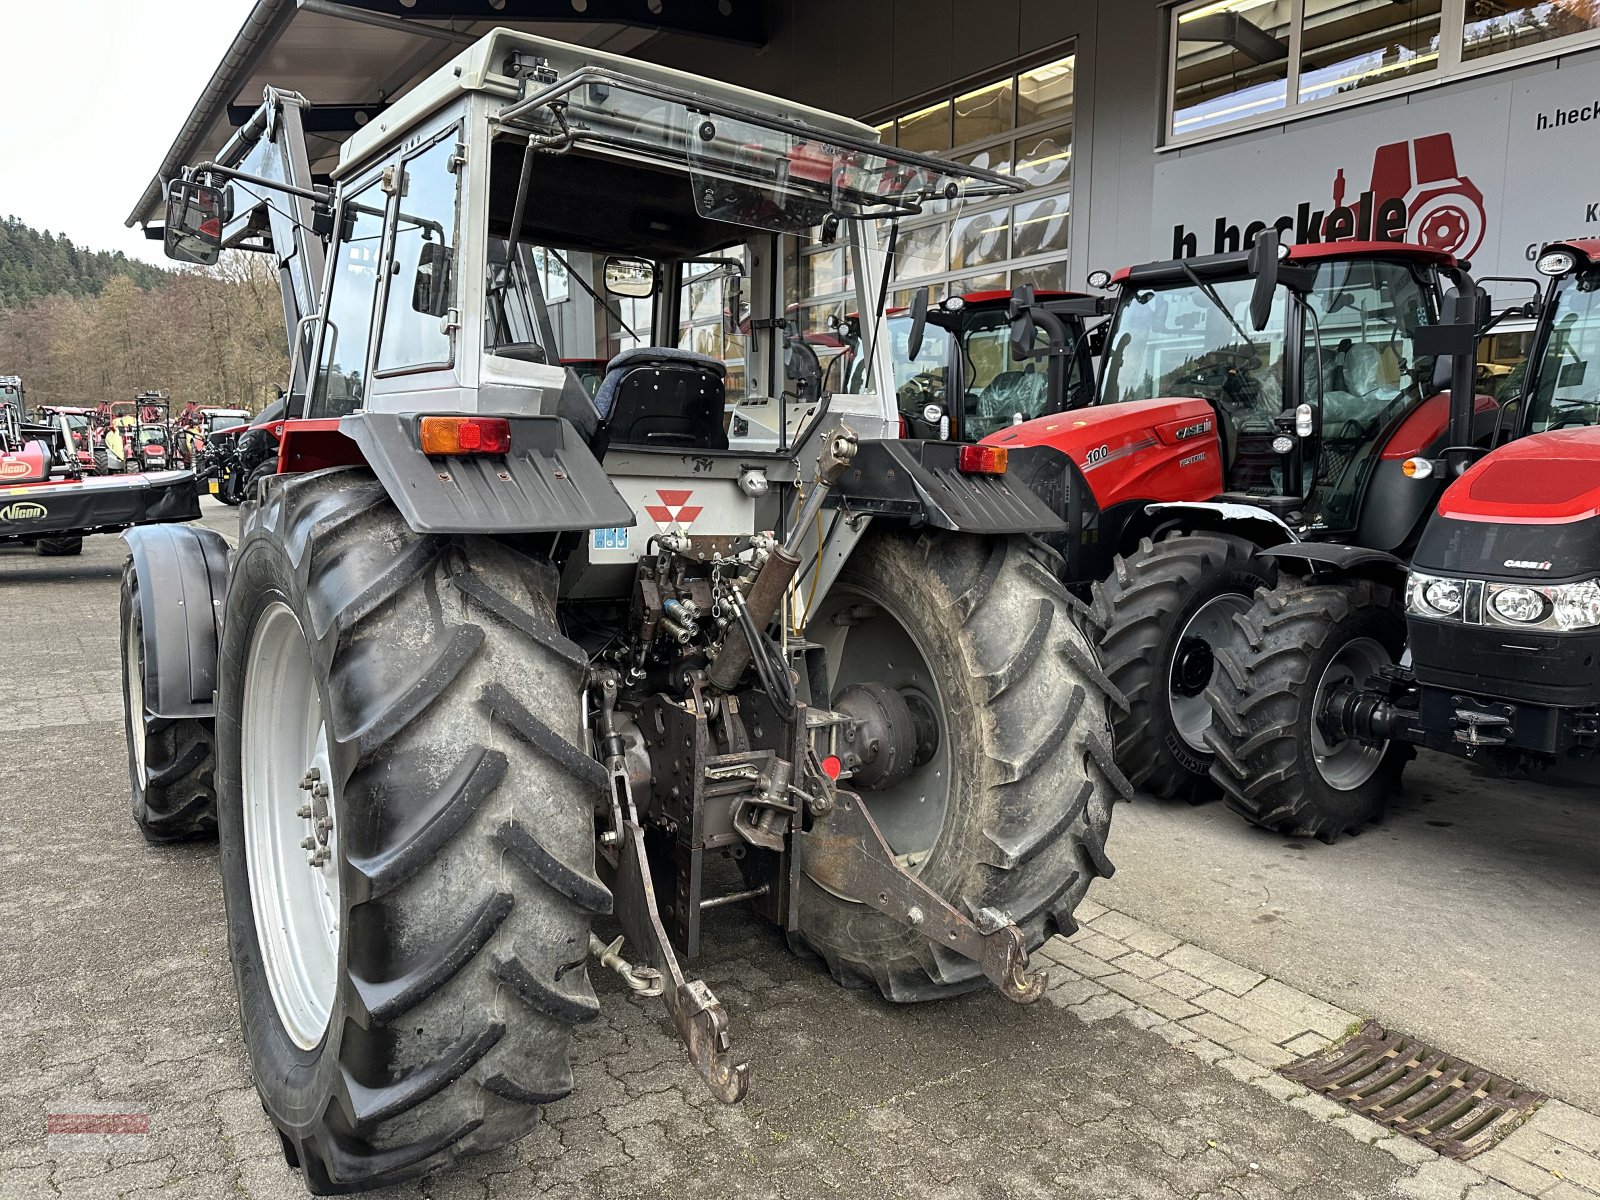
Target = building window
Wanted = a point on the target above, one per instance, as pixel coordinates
(1236, 64)
(1018, 124)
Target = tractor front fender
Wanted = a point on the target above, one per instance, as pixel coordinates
(183, 577)
(1325, 559)
(1246, 520)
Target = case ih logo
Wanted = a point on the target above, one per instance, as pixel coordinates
(674, 509)
(23, 510)
(1416, 195)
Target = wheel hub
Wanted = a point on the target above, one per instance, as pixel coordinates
(1193, 667)
(894, 733)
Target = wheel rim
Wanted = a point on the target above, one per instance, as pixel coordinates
(1194, 663)
(288, 800)
(867, 643)
(134, 687)
(1346, 764)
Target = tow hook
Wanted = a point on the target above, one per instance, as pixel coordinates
(844, 852)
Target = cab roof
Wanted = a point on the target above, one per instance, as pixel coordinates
(1236, 262)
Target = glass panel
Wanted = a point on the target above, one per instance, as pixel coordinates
(1362, 367)
(979, 240)
(341, 385)
(1232, 63)
(1502, 363)
(1045, 93)
(1048, 277)
(825, 272)
(1567, 391)
(1045, 158)
(1351, 44)
(999, 388)
(984, 113)
(926, 130)
(1040, 226)
(901, 297)
(991, 158)
(989, 281)
(1495, 26)
(552, 275)
(707, 321)
(425, 235)
(921, 385)
(921, 251)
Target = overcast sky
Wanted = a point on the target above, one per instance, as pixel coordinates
(92, 93)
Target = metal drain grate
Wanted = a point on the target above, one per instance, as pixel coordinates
(1446, 1103)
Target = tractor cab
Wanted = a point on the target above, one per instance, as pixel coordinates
(966, 381)
(1309, 380)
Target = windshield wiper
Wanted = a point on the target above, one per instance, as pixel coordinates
(1211, 295)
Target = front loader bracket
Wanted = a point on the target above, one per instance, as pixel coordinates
(844, 852)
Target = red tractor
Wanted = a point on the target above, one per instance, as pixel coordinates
(1247, 400)
(1319, 709)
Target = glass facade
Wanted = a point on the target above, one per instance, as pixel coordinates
(1243, 63)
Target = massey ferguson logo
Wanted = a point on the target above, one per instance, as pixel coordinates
(1415, 195)
(1526, 564)
(674, 509)
(10, 468)
(23, 510)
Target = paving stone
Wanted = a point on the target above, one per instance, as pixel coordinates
(1530, 1144)
(1278, 1087)
(1098, 1008)
(1320, 1106)
(1098, 944)
(1060, 951)
(1582, 1169)
(1566, 1191)
(1144, 1018)
(1242, 1068)
(1306, 1044)
(1307, 1010)
(1142, 965)
(1441, 1179)
(1267, 1054)
(1131, 986)
(1181, 983)
(1067, 992)
(1257, 1018)
(1218, 972)
(1135, 933)
(1088, 910)
(1215, 1028)
(1408, 1151)
(1168, 1005)
(1522, 1175)
(1571, 1125)
(1493, 1189)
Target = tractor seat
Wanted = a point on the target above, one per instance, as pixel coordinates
(1010, 393)
(659, 397)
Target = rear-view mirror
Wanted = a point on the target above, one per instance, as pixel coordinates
(919, 323)
(430, 291)
(194, 222)
(1263, 268)
(634, 278)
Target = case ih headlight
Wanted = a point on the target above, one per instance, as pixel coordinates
(1520, 604)
(1577, 605)
(1556, 262)
(1431, 596)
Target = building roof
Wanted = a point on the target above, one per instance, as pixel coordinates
(351, 58)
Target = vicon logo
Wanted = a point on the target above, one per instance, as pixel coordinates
(11, 468)
(23, 510)
(1415, 195)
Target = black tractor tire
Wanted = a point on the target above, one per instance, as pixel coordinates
(1032, 783)
(174, 794)
(230, 488)
(1265, 705)
(464, 805)
(258, 472)
(102, 464)
(1139, 615)
(59, 547)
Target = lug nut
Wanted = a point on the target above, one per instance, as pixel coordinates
(303, 811)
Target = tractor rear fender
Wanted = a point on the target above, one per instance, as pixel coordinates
(922, 482)
(549, 482)
(183, 576)
(1328, 561)
(1244, 520)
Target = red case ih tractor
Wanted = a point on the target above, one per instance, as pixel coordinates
(1246, 400)
(1318, 710)
(494, 658)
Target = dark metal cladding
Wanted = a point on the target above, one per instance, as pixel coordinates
(97, 504)
(1484, 548)
(183, 576)
(922, 482)
(550, 482)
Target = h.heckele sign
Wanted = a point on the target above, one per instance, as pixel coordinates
(1487, 170)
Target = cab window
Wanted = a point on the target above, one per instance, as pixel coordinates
(422, 256)
(341, 384)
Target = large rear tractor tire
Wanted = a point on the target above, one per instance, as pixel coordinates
(59, 547)
(1274, 762)
(406, 816)
(1161, 618)
(1010, 803)
(171, 761)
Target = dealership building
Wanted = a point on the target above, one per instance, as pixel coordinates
(1144, 130)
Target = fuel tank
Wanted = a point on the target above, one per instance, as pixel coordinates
(1140, 450)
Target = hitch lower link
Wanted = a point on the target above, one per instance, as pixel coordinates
(845, 852)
